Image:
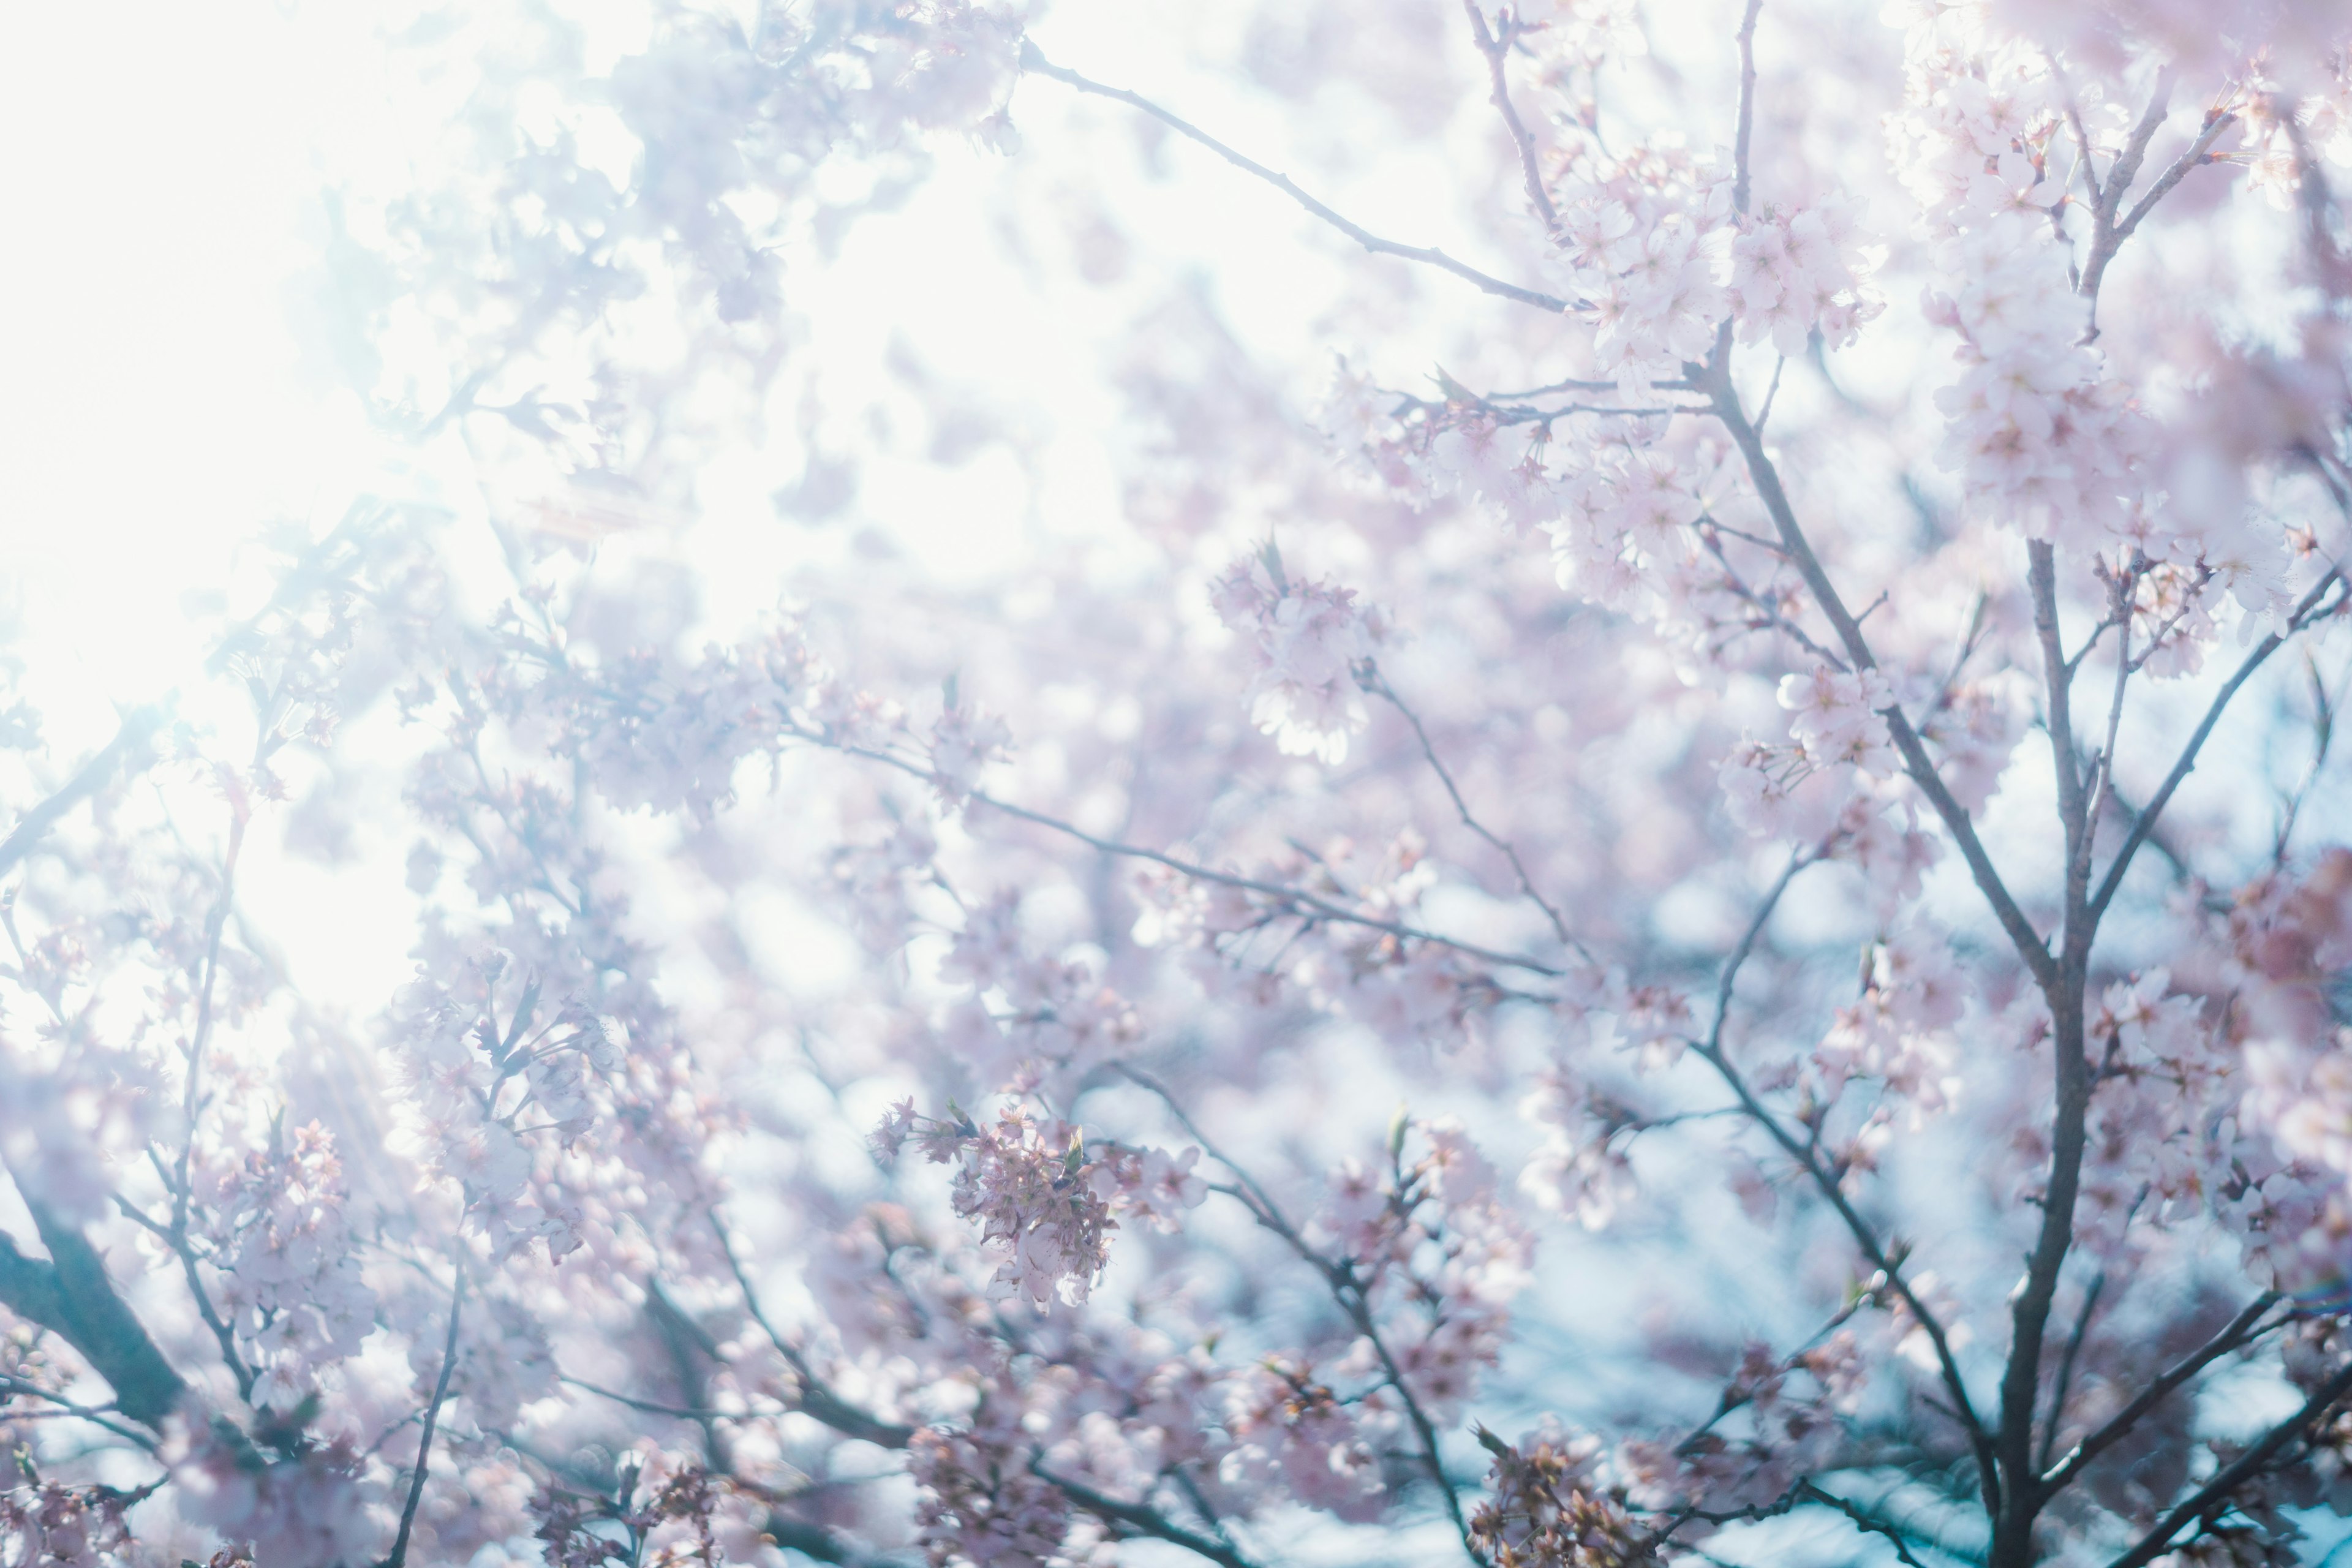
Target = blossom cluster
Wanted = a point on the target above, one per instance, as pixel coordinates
(1043, 1197)
(1310, 641)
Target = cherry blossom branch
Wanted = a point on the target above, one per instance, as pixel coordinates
(1142, 1518)
(817, 1401)
(1506, 413)
(323, 562)
(1715, 381)
(681, 1336)
(127, 749)
(2101, 771)
(1377, 683)
(1346, 1290)
(655, 1407)
(1767, 615)
(2107, 196)
(95, 1414)
(810, 1540)
(1738, 1394)
(216, 926)
(399, 1555)
(1037, 64)
(2323, 704)
(2305, 611)
(1744, 135)
(2030, 1305)
(1864, 1520)
(1495, 47)
(186, 1254)
(2067, 1366)
(2198, 154)
(72, 1296)
(1809, 1160)
(2210, 1498)
(1575, 386)
(2241, 1331)
(2125, 813)
(1289, 896)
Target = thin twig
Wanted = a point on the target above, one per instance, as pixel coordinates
(216, 926)
(1379, 685)
(1496, 49)
(96, 1414)
(399, 1555)
(1711, 1050)
(1346, 1290)
(1863, 1520)
(654, 1408)
(1037, 64)
(1298, 897)
(2305, 612)
(2067, 1366)
(2104, 236)
(221, 1331)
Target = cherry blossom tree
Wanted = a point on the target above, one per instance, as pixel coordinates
(1676, 891)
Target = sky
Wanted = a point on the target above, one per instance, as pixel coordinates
(153, 408)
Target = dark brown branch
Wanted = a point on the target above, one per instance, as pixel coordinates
(1864, 1520)
(2030, 1304)
(1143, 1519)
(2240, 1331)
(1037, 64)
(2210, 1498)
(2066, 1361)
